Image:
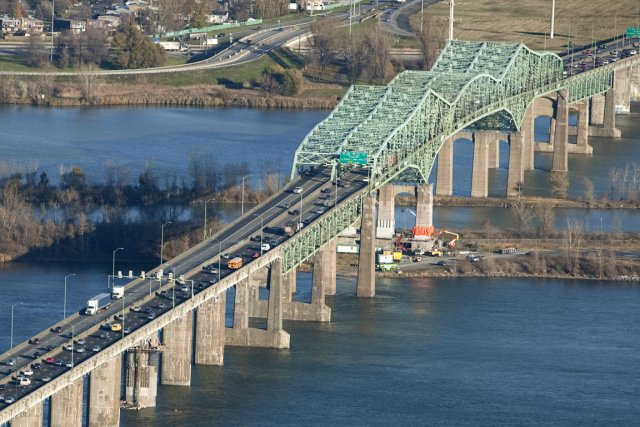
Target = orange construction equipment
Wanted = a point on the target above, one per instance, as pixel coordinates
(423, 231)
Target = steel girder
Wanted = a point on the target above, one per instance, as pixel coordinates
(308, 241)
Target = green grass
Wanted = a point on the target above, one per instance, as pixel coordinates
(13, 63)
(229, 76)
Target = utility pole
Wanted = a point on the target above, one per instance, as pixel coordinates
(53, 7)
(452, 4)
(553, 17)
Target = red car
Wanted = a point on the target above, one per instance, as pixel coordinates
(34, 341)
(50, 360)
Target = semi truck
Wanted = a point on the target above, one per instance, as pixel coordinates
(97, 303)
(117, 292)
(292, 228)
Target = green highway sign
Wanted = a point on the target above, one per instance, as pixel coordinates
(633, 32)
(354, 158)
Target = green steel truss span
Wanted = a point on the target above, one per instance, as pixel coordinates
(478, 85)
(401, 126)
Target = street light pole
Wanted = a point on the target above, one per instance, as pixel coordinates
(553, 18)
(162, 241)
(53, 8)
(113, 264)
(11, 342)
(204, 231)
(64, 307)
(261, 232)
(300, 212)
(219, 255)
(242, 198)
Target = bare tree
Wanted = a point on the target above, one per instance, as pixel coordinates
(589, 194)
(546, 220)
(432, 37)
(573, 239)
(378, 51)
(559, 184)
(323, 40)
(523, 217)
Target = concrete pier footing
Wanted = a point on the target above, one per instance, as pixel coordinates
(141, 377)
(32, 417)
(366, 266)
(176, 359)
(386, 224)
(493, 159)
(529, 149)
(210, 331)
(104, 394)
(66, 405)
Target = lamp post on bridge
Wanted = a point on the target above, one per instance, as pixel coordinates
(204, 231)
(162, 241)
(242, 197)
(553, 18)
(113, 264)
(261, 232)
(219, 256)
(64, 306)
(11, 341)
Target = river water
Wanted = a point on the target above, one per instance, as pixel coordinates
(424, 351)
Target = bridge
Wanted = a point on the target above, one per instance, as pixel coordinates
(396, 132)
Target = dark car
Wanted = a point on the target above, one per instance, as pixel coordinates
(441, 263)
(255, 238)
(286, 205)
(57, 329)
(36, 365)
(294, 212)
(36, 355)
(34, 341)
(326, 190)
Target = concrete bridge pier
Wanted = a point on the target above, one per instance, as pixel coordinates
(493, 161)
(66, 406)
(274, 337)
(597, 110)
(527, 128)
(424, 206)
(603, 112)
(582, 132)
(515, 177)
(176, 359)
(560, 161)
(386, 212)
(622, 89)
(210, 331)
(444, 177)
(32, 417)
(104, 394)
(141, 380)
(366, 262)
(480, 170)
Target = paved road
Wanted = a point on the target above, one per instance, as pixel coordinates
(233, 241)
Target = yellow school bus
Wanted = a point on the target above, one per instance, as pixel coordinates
(235, 263)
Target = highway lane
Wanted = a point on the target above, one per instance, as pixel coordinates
(236, 236)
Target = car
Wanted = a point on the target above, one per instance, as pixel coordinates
(633, 52)
(69, 364)
(151, 316)
(185, 288)
(59, 363)
(136, 308)
(161, 305)
(36, 354)
(80, 350)
(50, 360)
(27, 372)
(298, 190)
(96, 348)
(103, 336)
(163, 294)
(255, 238)
(220, 35)
(441, 263)
(258, 28)
(147, 310)
(213, 281)
(81, 341)
(326, 190)
(285, 205)
(116, 327)
(36, 365)
(34, 341)
(68, 347)
(319, 211)
(265, 247)
(226, 255)
(22, 381)
(57, 329)
(49, 347)
(10, 362)
(605, 62)
(3, 386)
(212, 270)
(118, 317)
(255, 255)
(344, 184)
(127, 330)
(602, 46)
(294, 212)
(46, 379)
(9, 400)
(106, 326)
